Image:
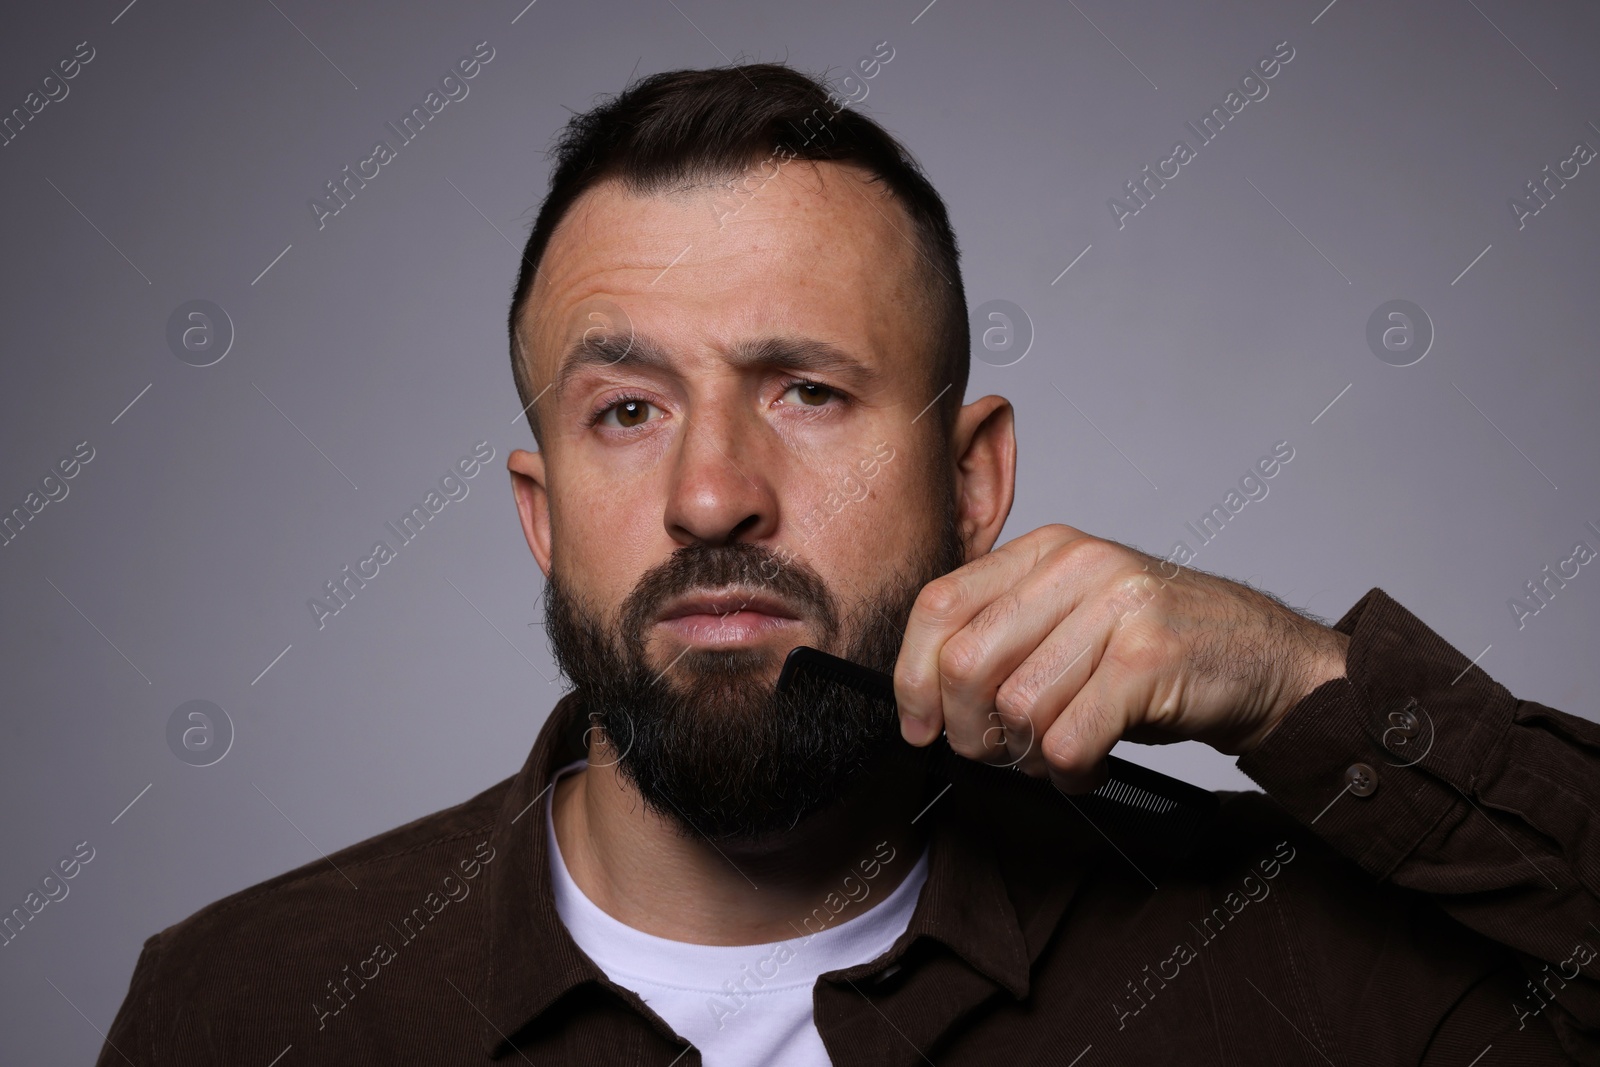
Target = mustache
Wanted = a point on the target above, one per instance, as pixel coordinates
(701, 566)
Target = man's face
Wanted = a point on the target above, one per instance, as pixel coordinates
(746, 461)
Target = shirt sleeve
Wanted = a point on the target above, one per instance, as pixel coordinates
(129, 1039)
(1426, 772)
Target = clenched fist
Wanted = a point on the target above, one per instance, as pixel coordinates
(1045, 652)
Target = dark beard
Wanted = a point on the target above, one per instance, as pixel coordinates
(724, 755)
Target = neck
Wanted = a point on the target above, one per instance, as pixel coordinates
(636, 866)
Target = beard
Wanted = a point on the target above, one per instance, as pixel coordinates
(707, 740)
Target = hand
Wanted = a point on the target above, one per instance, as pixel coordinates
(1045, 652)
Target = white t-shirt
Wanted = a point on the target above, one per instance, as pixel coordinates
(738, 1004)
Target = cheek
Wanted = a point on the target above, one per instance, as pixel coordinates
(601, 538)
(870, 526)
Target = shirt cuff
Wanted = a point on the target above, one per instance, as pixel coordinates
(1375, 759)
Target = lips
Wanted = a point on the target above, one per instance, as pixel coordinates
(726, 603)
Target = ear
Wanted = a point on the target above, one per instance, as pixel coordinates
(983, 449)
(533, 502)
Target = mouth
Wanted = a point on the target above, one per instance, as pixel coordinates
(729, 617)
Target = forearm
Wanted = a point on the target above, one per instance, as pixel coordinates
(1426, 772)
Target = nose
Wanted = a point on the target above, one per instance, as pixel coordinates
(721, 490)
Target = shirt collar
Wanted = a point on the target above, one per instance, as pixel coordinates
(532, 960)
(964, 903)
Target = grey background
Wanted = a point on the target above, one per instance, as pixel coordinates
(1224, 317)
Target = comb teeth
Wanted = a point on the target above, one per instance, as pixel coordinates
(1132, 795)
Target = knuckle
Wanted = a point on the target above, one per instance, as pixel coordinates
(1057, 531)
(1134, 591)
(1068, 750)
(961, 658)
(1140, 648)
(997, 613)
(1136, 581)
(1093, 553)
(940, 598)
(1014, 703)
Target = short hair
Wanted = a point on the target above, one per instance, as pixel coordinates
(684, 126)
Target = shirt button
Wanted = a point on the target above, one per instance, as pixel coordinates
(1361, 779)
(1404, 722)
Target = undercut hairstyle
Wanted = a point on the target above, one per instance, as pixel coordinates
(730, 125)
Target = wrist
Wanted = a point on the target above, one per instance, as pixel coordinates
(1324, 663)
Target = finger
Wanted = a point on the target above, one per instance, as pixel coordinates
(976, 659)
(944, 606)
(949, 603)
(1077, 785)
(980, 660)
(1079, 581)
(1038, 691)
(1083, 735)
(1105, 638)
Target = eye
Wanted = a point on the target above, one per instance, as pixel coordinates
(810, 394)
(629, 412)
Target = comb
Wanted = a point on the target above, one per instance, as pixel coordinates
(1137, 809)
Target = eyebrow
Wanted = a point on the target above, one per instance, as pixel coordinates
(804, 354)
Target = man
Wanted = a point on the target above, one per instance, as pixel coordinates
(739, 333)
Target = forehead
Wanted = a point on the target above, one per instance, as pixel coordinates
(807, 250)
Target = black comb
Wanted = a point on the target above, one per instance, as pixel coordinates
(1137, 809)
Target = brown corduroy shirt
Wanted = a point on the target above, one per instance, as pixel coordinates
(1439, 904)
